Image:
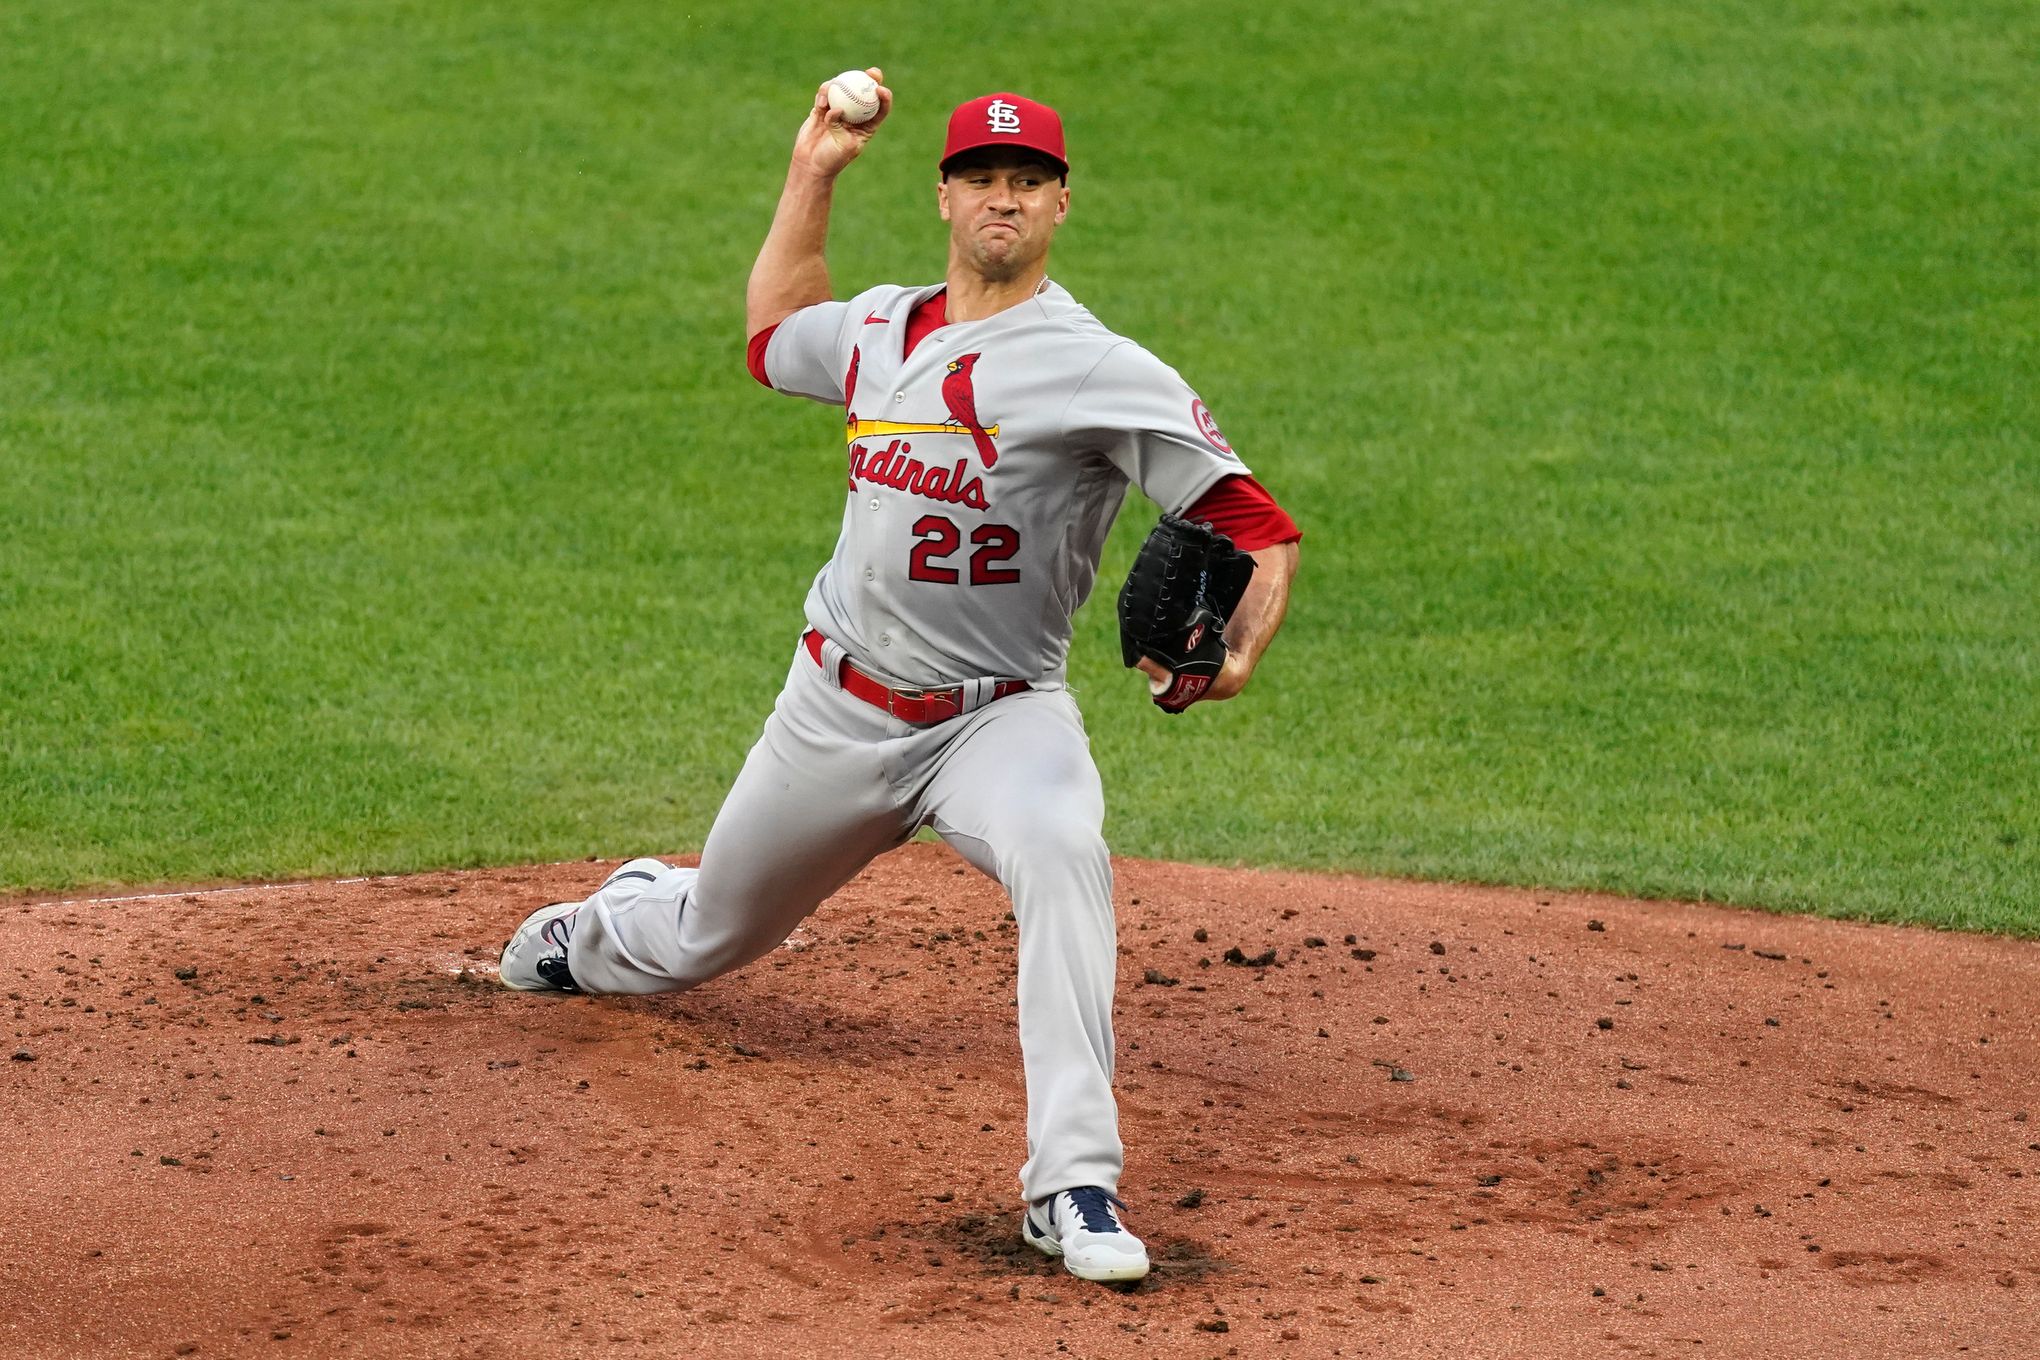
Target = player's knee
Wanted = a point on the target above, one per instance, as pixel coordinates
(1058, 841)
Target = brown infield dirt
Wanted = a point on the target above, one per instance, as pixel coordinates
(1362, 1118)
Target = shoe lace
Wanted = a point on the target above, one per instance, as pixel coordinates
(1092, 1206)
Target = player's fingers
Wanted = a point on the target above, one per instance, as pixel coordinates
(817, 119)
(1157, 674)
(824, 114)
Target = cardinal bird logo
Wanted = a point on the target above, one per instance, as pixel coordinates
(957, 394)
(961, 399)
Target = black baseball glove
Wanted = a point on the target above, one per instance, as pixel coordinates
(1184, 586)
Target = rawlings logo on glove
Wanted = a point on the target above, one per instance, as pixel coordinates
(1185, 583)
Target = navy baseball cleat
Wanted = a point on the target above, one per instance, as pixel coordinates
(535, 960)
(1083, 1227)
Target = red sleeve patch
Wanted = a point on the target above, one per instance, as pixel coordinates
(754, 353)
(1208, 427)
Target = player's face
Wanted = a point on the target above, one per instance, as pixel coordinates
(1002, 212)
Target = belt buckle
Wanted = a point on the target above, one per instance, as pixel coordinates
(937, 705)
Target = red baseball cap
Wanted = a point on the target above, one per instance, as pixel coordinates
(1005, 119)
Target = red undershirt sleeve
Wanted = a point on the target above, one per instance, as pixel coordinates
(1241, 508)
(754, 353)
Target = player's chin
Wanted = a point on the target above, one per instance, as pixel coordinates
(999, 259)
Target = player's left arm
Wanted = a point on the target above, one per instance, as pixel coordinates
(1143, 418)
(1240, 507)
(1254, 624)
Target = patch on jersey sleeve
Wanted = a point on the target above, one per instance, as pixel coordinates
(1201, 414)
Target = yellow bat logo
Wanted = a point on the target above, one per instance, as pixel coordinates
(865, 429)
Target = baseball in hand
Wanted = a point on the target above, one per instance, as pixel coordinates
(854, 95)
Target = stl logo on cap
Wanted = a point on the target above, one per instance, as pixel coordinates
(1006, 119)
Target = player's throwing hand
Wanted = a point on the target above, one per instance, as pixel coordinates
(825, 142)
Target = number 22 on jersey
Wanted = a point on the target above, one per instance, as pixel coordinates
(938, 538)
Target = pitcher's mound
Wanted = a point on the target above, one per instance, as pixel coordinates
(1361, 1118)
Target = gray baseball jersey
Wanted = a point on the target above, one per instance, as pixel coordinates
(984, 472)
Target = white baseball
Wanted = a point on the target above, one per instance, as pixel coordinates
(854, 95)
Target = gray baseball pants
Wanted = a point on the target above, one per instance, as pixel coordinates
(834, 782)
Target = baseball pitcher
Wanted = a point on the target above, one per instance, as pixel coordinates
(991, 426)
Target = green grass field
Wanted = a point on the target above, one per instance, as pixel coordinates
(1656, 386)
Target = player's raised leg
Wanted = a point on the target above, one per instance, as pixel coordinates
(1019, 796)
(812, 806)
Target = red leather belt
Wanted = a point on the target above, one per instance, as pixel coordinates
(922, 707)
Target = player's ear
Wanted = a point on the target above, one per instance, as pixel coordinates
(942, 197)
(1062, 204)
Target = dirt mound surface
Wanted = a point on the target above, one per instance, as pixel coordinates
(1362, 1118)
